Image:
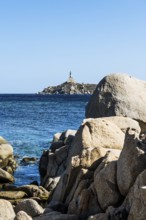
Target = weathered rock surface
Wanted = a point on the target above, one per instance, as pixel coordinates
(105, 183)
(119, 95)
(5, 177)
(6, 210)
(21, 215)
(131, 163)
(136, 200)
(12, 195)
(30, 206)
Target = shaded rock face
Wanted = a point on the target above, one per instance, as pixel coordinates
(30, 206)
(132, 161)
(119, 95)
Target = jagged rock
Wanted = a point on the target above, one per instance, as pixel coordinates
(6, 210)
(84, 202)
(131, 163)
(5, 177)
(68, 136)
(113, 96)
(51, 183)
(105, 183)
(21, 215)
(30, 206)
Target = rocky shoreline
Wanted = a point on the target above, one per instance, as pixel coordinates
(95, 173)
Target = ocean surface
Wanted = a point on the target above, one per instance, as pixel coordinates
(29, 122)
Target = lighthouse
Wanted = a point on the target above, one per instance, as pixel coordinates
(70, 78)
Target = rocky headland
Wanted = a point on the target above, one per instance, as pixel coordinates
(70, 87)
(95, 173)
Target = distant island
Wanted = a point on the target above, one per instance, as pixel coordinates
(70, 87)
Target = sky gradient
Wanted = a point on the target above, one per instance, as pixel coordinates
(41, 41)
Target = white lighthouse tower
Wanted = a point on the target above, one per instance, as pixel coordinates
(71, 79)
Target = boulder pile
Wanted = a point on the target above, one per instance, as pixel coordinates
(97, 172)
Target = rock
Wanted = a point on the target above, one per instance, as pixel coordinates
(68, 136)
(53, 216)
(43, 164)
(131, 163)
(56, 145)
(5, 177)
(136, 199)
(84, 202)
(105, 183)
(6, 210)
(97, 133)
(51, 183)
(27, 160)
(87, 150)
(57, 206)
(101, 216)
(6, 151)
(61, 155)
(11, 165)
(124, 123)
(21, 215)
(30, 206)
(34, 191)
(113, 96)
(56, 137)
(12, 195)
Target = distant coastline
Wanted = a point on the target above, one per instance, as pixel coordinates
(70, 87)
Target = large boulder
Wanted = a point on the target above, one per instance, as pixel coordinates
(119, 95)
(131, 163)
(97, 133)
(6, 210)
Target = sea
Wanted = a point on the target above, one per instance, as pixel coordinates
(29, 121)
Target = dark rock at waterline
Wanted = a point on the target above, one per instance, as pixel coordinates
(28, 160)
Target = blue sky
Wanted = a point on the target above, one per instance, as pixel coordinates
(42, 40)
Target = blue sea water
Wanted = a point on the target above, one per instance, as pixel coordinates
(29, 122)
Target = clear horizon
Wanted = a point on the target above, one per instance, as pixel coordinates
(42, 41)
